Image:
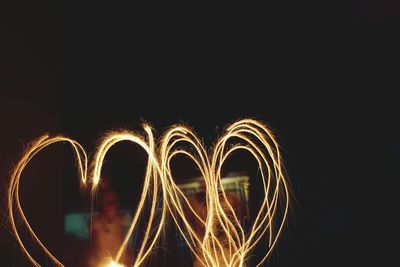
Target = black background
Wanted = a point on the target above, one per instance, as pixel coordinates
(321, 75)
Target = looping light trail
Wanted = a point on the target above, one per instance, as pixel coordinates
(14, 204)
(224, 242)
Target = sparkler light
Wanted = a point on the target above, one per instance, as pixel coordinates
(114, 264)
(224, 241)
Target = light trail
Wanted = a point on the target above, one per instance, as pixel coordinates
(150, 188)
(224, 242)
(14, 204)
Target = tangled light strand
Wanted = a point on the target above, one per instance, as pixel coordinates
(224, 242)
(233, 246)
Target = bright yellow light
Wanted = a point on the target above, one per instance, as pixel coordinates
(114, 264)
(224, 242)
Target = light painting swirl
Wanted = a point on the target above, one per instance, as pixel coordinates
(224, 241)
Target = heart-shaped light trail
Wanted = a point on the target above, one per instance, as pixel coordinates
(14, 204)
(224, 242)
(151, 188)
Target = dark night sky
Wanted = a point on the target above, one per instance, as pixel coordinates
(320, 76)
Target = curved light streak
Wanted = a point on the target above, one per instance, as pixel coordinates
(224, 242)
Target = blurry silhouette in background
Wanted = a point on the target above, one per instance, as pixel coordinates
(199, 205)
(236, 190)
(108, 231)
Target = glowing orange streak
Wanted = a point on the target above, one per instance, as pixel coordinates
(266, 188)
(207, 252)
(208, 249)
(151, 178)
(13, 193)
(193, 234)
(183, 135)
(211, 246)
(280, 177)
(193, 141)
(227, 219)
